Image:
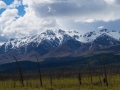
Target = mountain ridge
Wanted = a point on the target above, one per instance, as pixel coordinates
(59, 43)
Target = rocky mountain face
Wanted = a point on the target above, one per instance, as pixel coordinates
(60, 43)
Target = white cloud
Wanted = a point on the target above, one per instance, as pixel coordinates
(2, 4)
(9, 13)
(15, 3)
(16, 26)
(49, 14)
(100, 27)
(89, 20)
(110, 1)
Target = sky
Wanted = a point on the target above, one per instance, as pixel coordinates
(20, 18)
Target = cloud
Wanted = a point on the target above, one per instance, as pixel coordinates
(110, 1)
(15, 26)
(9, 13)
(2, 4)
(18, 26)
(100, 27)
(78, 10)
(66, 9)
(89, 20)
(15, 3)
(51, 14)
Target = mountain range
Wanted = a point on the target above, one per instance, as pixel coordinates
(61, 43)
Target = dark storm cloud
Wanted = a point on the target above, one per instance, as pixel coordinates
(71, 8)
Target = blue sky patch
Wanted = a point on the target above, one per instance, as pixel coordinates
(8, 2)
(2, 10)
(21, 10)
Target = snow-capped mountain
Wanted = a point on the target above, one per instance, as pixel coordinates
(49, 35)
(61, 42)
(60, 36)
(91, 36)
(49, 38)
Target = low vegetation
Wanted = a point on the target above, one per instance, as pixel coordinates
(63, 83)
(89, 77)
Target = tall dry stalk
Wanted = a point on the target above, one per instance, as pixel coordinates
(51, 81)
(20, 71)
(40, 76)
(105, 72)
(90, 73)
(79, 78)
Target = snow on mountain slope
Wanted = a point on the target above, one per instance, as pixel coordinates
(50, 35)
(106, 40)
(60, 37)
(91, 36)
(1, 43)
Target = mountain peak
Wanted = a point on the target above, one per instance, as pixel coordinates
(49, 32)
(89, 34)
(106, 40)
(60, 31)
(103, 30)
